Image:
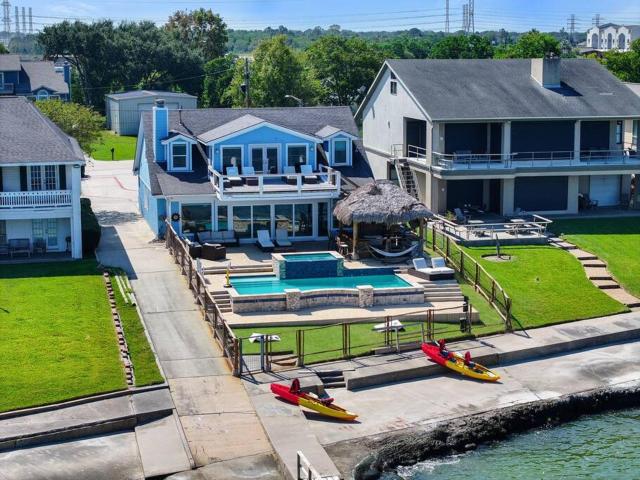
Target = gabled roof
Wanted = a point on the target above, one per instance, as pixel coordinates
(234, 126)
(44, 75)
(634, 87)
(147, 94)
(200, 123)
(449, 90)
(9, 63)
(27, 136)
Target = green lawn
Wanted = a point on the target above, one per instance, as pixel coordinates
(614, 240)
(58, 340)
(144, 362)
(125, 147)
(547, 285)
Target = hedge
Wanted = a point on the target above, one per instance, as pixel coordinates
(90, 227)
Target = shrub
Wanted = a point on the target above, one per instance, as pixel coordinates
(90, 227)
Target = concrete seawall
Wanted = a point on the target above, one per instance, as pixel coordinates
(462, 434)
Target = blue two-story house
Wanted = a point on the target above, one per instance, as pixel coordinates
(37, 80)
(245, 170)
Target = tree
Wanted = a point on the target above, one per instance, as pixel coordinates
(219, 73)
(276, 71)
(462, 46)
(343, 67)
(624, 65)
(532, 44)
(200, 29)
(3, 49)
(77, 121)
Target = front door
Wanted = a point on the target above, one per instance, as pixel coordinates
(264, 159)
(46, 230)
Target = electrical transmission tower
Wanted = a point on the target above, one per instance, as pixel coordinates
(6, 16)
(465, 18)
(572, 28)
(446, 19)
(471, 17)
(596, 20)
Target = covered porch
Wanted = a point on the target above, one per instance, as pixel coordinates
(36, 238)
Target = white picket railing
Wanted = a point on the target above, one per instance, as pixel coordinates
(44, 198)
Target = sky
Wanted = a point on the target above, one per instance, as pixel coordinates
(515, 15)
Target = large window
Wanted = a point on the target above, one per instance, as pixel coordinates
(46, 230)
(261, 219)
(50, 177)
(340, 156)
(179, 156)
(242, 221)
(284, 217)
(36, 178)
(196, 218)
(303, 220)
(296, 155)
(223, 218)
(231, 157)
(323, 219)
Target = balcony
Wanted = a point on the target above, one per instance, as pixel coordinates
(323, 183)
(466, 161)
(46, 198)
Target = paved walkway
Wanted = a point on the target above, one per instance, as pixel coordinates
(214, 411)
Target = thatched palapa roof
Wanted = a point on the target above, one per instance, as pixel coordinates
(380, 202)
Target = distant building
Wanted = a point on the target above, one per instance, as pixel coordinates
(124, 109)
(612, 37)
(37, 80)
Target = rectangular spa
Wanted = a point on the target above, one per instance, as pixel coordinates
(270, 284)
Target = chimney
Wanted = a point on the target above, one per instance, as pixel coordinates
(546, 71)
(160, 129)
(66, 72)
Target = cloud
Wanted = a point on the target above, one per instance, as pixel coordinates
(74, 8)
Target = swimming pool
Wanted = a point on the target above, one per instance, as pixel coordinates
(309, 257)
(258, 285)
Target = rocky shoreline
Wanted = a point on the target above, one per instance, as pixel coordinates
(417, 444)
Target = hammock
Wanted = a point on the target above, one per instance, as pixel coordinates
(403, 253)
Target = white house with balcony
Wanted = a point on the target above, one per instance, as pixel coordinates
(39, 184)
(611, 36)
(245, 170)
(539, 135)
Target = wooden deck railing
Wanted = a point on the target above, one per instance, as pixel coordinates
(211, 313)
(473, 272)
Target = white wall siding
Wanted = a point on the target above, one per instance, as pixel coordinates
(11, 179)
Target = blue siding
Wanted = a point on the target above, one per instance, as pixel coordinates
(261, 136)
(175, 208)
(161, 126)
(150, 212)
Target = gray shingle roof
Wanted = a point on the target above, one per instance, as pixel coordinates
(635, 87)
(27, 136)
(504, 89)
(146, 94)
(44, 75)
(307, 120)
(9, 63)
(233, 126)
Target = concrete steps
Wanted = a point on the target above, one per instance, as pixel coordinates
(239, 269)
(605, 284)
(222, 300)
(582, 255)
(441, 291)
(332, 378)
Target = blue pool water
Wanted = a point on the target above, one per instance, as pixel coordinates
(309, 257)
(255, 285)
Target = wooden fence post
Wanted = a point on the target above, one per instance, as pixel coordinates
(448, 246)
(462, 264)
(477, 274)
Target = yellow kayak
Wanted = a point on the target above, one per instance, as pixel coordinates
(454, 361)
(324, 406)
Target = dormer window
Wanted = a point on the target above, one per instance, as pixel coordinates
(340, 151)
(179, 157)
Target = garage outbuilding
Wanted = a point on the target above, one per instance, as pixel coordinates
(123, 109)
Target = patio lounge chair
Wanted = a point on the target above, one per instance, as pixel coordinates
(437, 270)
(19, 246)
(460, 216)
(251, 181)
(307, 171)
(264, 241)
(290, 175)
(282, 238)
(234, 176)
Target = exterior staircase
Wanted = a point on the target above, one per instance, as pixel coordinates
(407, 178)
(239, 269)
(332, 378)
(441, 291)
(222, 300)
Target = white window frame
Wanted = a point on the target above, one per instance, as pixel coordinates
(187, 167)
(347, 152)
(42, 94)
(393, 84)
(43, 171)
(263, 147)
(223, 148)
(306, 145)
(635, 131)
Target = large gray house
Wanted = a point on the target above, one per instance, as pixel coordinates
(536, 135)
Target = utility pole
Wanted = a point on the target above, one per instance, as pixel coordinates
(246, 84)
(572, 28)
(446, 20)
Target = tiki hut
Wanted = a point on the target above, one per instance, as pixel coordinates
(382, 202)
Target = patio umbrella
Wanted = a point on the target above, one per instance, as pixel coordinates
(380, 201)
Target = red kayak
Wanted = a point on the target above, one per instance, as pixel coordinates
(323, 406)
(456, 362)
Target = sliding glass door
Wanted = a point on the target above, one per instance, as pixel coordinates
(264, 158)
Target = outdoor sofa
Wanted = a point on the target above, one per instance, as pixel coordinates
(214, 251)
(223, 237)
(438, 269)
(19, 246)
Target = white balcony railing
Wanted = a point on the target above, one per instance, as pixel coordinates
(45, 198)
(326, 180)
